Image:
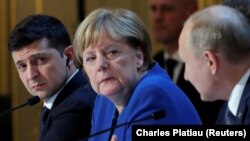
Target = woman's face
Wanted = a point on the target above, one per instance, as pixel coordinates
(112, 66)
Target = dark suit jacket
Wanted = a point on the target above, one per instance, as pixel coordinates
(208, 111)
(243, 113)
(70, 116)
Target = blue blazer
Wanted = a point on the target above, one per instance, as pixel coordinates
(243, 113)
(70, 116)
(153, 92)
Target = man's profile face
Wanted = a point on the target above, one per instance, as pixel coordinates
(197, 70)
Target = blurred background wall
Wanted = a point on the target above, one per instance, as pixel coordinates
(22, 125)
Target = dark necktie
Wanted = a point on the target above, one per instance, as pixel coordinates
(43, 117)
(170, 64)
(229, 117)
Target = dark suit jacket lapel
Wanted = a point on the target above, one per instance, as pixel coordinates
(243, 110)
(73, 84)
(159, 58)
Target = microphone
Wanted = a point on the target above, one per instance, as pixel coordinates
(155, 115)
(31, 101)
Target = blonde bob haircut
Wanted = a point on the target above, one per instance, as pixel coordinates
(119, 24)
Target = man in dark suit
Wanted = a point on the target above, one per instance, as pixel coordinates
(215, 47)
(242, 6)
(42, 52)
(168, 17)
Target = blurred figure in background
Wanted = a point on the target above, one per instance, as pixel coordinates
(168, 17)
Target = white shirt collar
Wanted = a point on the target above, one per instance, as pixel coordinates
(177, 69)
(235, 96)
(49, 102)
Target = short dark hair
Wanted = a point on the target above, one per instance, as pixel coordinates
(36, 27)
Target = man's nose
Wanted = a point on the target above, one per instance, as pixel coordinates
(32, 72)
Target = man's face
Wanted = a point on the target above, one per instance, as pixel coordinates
(197, 70)
(168, 17)
(41, 69)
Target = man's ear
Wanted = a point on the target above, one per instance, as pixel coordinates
(69, 52)
(212, 61)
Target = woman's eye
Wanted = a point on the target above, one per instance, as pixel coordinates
(112, 53)
(90, 59)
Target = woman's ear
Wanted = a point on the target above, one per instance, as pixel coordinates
(139, 57)
(211, 60)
